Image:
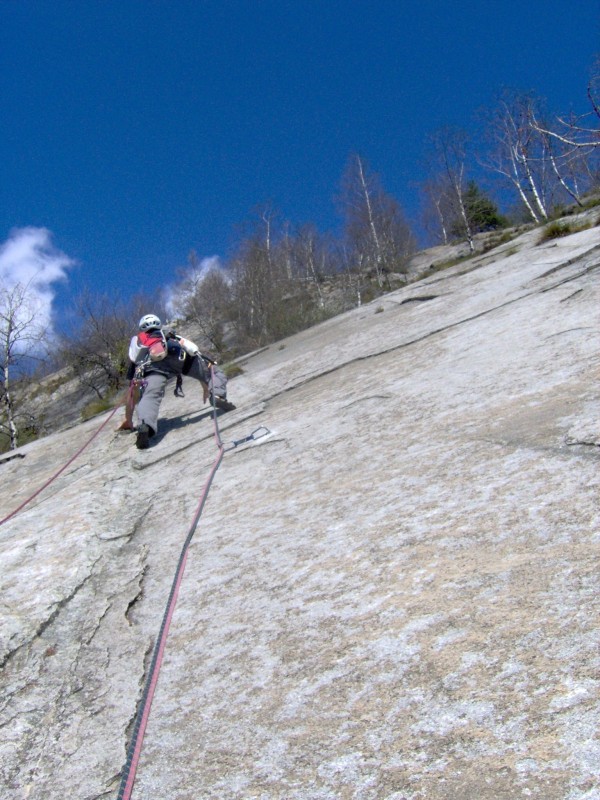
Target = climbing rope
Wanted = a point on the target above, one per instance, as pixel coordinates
(62, 469)
(143, 713)
(141, 720)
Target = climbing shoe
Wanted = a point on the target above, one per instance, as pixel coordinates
(221, 402)
(144, 432)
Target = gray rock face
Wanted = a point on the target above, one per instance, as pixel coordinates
(393, 594)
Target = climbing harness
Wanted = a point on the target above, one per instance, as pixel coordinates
(138, 378)
(138, 385)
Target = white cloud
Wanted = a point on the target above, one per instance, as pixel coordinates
(28, 257)
(175, 296)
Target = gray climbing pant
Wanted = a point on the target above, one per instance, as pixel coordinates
(217, 384)
(154, 390)
(152, 395)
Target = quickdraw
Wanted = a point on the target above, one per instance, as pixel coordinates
(251, 437)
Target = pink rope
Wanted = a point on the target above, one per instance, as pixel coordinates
(61, 470)
(135, 748)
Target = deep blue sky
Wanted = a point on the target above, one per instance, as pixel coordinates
(137, 131)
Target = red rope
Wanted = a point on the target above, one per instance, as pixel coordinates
(61, 470)
(135, 747)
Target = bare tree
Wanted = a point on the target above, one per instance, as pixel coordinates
(259, 282)
(438, 213)
(450, 179)
(311, 260)
(205, 299)
(20, 332)
(96, 345)
(378, 236)
(576, 131)
(573, 143)
(518, 152)
(568, 164)
(276, 280)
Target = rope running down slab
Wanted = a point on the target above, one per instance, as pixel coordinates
(62, 469)
(143, 713)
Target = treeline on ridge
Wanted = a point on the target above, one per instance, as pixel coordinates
(281, 278)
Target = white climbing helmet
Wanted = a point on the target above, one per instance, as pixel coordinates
(149, 322)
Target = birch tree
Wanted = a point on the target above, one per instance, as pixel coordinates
(377, 233)
(580, 132)
(518, 153)
(449, 160)
(573, 143)
(568, 164)
(260, 282)
(20, 334)
(310, 260)
(251, 269)
(437, 209)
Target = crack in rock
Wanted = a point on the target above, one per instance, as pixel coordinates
(139, 596)
(39, 631)
(419, 299)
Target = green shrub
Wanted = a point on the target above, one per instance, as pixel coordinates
(591, 203)
(554, 230)
(232, 370)
(496, 241)
(96, 407)
(29, 433)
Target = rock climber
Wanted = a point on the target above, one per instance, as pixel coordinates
(155, 358)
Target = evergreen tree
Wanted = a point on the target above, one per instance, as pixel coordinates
(482, 213)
